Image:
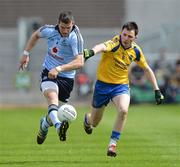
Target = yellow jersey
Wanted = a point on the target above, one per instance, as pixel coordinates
(114, 63)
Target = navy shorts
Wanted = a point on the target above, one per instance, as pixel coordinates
(104, 92)
(65, 85)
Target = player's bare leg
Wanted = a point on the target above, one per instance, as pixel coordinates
(52, 100)
(61, 127)
(51, 96)
(122, 104)
(92, 119)
(46, 122)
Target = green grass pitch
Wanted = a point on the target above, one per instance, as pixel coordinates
(151, 138)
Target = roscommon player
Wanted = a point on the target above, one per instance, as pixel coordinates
(112, 80)
(64, 55)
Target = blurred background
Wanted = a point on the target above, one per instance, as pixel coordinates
(98, 20)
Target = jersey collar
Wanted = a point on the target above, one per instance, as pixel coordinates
(57, 28)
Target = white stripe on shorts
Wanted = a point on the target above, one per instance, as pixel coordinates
(49, 85)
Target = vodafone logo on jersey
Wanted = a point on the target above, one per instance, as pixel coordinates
(54, 54)
(54, 50)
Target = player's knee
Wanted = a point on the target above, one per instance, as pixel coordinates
(123, 114)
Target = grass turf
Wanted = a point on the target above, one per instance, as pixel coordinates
(151, 138)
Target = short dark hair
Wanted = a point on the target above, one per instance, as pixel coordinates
(131, 26)
(66, 17)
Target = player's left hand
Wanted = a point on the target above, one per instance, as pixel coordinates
(159, 97)
(52, 74)
(88, 53)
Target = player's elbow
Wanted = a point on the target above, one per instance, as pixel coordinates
(35, 35)
(79, 64)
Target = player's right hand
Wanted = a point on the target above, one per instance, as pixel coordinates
(159, 97)
(24, 62)
(88, 53)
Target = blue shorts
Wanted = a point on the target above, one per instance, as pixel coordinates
(104, 92)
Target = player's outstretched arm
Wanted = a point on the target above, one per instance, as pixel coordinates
(158, 95)
(96, 49)
(30, 44)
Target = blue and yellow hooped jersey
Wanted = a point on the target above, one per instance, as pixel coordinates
(113, 67)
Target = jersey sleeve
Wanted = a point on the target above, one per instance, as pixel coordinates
(45, 31)
(77, 43)
(142, 60)
(112, 44)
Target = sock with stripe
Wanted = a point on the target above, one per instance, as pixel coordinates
(114, 138)
(52, 110)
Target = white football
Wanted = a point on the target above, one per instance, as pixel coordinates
(67, 112)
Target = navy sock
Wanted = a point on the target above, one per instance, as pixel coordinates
(115, 135)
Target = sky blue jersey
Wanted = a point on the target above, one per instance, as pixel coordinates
(61, 50)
